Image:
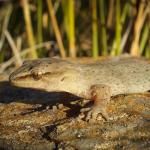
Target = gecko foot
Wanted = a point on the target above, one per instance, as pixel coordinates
(94, 112)
(101, 94)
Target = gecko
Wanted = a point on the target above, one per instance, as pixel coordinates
(97, 81)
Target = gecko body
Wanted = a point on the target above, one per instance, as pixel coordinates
(96, 81)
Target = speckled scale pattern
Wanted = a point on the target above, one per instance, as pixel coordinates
(124, 76)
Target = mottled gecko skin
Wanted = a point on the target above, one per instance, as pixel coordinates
(97, 81)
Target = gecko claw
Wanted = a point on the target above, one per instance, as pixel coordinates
(57, 107)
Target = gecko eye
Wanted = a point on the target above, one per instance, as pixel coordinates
(36, 76)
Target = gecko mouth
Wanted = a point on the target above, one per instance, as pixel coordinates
(14, 79)
(33, 75)
(31, 85)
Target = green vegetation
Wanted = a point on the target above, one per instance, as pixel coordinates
(29, 28)
(103, 34)
(39, 24)
(94, 29)
(71, 28)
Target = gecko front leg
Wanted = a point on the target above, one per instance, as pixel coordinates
(101, 94)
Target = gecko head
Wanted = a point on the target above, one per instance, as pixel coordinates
(46, 74)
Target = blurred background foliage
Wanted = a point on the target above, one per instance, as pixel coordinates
(73, 28)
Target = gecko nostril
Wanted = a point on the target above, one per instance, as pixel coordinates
(11, 77)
